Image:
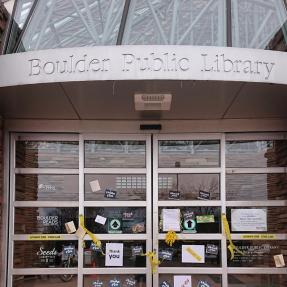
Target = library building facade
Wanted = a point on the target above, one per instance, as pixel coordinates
(143, 143)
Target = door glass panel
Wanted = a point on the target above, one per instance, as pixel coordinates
(257, 219)
(194, 153)
(126, 280)
(188, 186)
(41, 280)
(271, 186)
(94, 258)
(196, 219)
(257, 280)
(257, 253)
(46, 187)
(118, 220)
(120, 154)
(182, 258)
(268, 153)
(45, 254)
(196, 279)
(44, 220)
(127, 186)
(48, 154)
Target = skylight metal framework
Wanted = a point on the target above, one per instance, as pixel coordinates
(74, 23)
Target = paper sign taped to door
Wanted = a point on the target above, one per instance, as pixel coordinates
(279, 260)
(193, 253)
(100, 219)
(70, 227)
(182, 281)
(171, 219)
(114, 254)
(249, 219)
(95, 185)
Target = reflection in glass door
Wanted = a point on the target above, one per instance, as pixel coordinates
(197, 178)
(187, 199)
(56, 178)
(108, 180)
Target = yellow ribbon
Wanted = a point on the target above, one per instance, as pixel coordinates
(96, 241)
(194, 254)
(170, 237)
(232, 248)
(154, 262)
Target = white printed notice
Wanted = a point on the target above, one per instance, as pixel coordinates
(171, 219)
(182, 281)
(193, 253)
(249, 219)
(114, 254)
(100, 219)
(95, 185)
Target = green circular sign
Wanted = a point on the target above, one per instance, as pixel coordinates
(115, 224)
(189, 224)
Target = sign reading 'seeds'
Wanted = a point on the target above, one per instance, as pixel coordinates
(143, 63)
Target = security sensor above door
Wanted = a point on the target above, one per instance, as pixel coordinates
(152, 102)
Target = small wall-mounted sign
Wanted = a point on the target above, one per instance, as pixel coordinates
(128, 215)
(204, 195)
(115, 225)
(111, 194)
(165, 254)
(164, 284)
(205, 219)
(98, 283)
(69, 250)
(211, 249)
(189, 226)
(173, 194)
(137, 250)
(130, 282)
(202, 284)
(115, 283)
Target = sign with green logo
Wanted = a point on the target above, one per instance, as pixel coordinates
(189, 225)
(205, 219)
(115, 225)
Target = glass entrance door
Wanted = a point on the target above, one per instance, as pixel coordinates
(64, 183)
(130, 191)
(188, 176)
(225, 197)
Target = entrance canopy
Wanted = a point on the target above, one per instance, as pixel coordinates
(115, 100)
(100, 83)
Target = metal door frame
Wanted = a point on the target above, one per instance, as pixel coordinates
(224, 270)
(80, 271)
(151, 202)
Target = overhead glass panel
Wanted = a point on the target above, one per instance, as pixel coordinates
(188, 22)
(75, 23)
(259, 24)
(22, 10)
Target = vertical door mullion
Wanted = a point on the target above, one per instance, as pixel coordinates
(148, 207)
(11, 209)
(155, 204)
(81, 209)
(223, 210)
